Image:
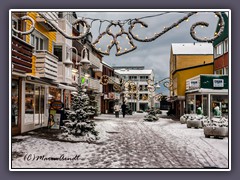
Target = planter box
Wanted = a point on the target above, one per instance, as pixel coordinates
(218, 132)
(194, 123)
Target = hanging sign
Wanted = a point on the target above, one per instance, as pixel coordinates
(57, 105)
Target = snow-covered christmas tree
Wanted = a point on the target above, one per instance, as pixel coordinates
(151, 116)
(79, 123)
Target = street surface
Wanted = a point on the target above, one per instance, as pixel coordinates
(129, 142)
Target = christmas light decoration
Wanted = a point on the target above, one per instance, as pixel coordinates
(129, 34)
(114, 41)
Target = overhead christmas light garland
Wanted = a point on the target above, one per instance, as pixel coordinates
(130, 35)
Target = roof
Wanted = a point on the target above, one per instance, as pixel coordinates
(128, 67)
(134, 72)
(192, 48)
(104, 63)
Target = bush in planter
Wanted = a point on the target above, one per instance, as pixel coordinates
(151, 116)
(183, 118)
(196, 121)
(217, 127)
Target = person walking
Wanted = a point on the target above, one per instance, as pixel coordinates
(116, 110)
(123, 109)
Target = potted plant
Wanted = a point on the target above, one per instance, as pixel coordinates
(195, 121)
(216, 127)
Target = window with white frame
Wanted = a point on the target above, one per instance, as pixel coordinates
(39, 41)
(226, 46)
(219, 49)
(219, 71)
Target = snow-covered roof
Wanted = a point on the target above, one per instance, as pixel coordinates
(192, 48)
(103, 62)
(133, 72)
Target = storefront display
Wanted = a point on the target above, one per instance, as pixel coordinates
(15, 102)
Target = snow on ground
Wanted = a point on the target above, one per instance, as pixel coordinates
(128, 142)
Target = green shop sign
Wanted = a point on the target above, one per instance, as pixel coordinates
(214, 82)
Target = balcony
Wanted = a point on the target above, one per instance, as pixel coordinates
(44, 23)
(95, 85)
(46, 65)
(21, 55)
(96, 64)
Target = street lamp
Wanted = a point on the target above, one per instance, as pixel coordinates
(68, 61)
(84, 60)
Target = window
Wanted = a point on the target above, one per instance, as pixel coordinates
(219, 71)
(219, 49)
(15, 102)
(226, 46)
(226, 70)
(15, 26)
(143, 77)
(133, 77)
(57, 51)
(39, 41)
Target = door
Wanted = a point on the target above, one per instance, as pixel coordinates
(34, 108)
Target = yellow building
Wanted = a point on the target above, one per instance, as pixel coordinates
(187, 60)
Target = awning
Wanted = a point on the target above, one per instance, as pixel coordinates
(71, 88)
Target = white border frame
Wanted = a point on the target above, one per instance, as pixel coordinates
(114, 10)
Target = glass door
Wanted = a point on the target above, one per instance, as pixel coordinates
(39, 105)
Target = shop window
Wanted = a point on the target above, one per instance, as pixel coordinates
(29, 103)
(190, 104)
(15, 102)
(222, 102)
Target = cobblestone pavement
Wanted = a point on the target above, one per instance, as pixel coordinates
(133, 143)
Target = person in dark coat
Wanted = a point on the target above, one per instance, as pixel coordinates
(123, 109)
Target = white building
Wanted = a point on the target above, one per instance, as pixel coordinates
(141, 98)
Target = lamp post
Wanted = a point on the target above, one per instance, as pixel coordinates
(84, 62)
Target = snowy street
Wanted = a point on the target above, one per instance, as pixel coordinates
(128, 142)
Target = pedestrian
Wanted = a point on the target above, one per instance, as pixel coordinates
(116, 110)
(123, 109)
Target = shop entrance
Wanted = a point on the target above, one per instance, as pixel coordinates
(34, 111)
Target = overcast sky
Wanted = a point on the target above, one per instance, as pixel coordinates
(156, 54)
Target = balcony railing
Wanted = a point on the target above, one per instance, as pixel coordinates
(46, 65)
(94, 84)
(96, 64)
(21, 55)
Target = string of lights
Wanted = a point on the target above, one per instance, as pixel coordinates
(129, 34)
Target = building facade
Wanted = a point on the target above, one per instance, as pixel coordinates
(140, 98)
(187, 60)
(207, 92)
(221, 47)
(40, 74)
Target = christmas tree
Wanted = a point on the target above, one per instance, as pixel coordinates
(151, 116)
(79, 123)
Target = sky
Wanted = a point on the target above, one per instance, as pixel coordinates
(152, 55)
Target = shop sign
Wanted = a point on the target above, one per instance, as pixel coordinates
(57, 105)
(218, 83)
(194, 84)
